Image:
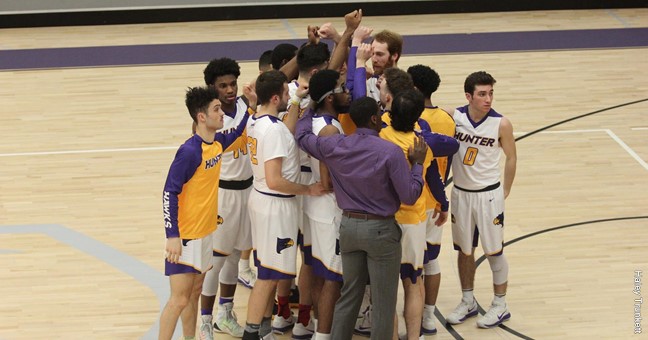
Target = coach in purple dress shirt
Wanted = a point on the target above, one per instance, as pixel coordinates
(370, 179)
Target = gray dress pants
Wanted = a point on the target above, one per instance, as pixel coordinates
(369, 249)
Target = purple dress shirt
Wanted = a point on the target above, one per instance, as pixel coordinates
(369, 174)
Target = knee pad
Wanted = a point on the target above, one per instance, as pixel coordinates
(432, 267)
(229, 273)
(210, 285)
(499, 267)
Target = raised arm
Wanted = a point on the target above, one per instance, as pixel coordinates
(352, 21)
(227, 139)
(507, 141)
(441, 145)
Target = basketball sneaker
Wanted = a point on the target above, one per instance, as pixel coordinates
(497, 314)
(227, 322)
(428, 323)
(363, 327)
(281, 325)
(206, 329)
(463, 311)
(247, 277)
(301, 332)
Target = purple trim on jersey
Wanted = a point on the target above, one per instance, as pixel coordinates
(178, 268)
(187, 160)
(307, 249)
(491, 113)
(407, 271)
(327, 118)
(320, 270)
(272, 118)
(432, 252)
(267, 273)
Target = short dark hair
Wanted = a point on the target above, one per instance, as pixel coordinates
(406, 110)
(425, 79)
(393, 40)
(321, 83)
(361, 111)
(312, 55)
(398, 80)
(478, 78)
(281, 54)
(221, 67)
(197, 99)
(268, 84)
(265, 60)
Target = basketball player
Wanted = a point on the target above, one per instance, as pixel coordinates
(478, 196)
(190, 203)
(427, 81)
(233, 233)
(272, 205)
(329, 97)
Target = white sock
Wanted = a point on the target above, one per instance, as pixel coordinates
(244, 265)
(428, 310)
(468, 295)
(206, 318)
(499, 300)
(322, 336)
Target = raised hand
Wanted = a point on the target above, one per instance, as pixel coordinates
(353, 19)
(313, 35)
(361, 34)
(327, 31)
(363, 53)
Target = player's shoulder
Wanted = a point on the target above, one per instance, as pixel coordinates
(191, 148)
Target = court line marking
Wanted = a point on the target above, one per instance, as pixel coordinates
(72, 152)
(614, 137)
(140, 271)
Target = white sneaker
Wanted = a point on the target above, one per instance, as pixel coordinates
(269, 336)
(227, 322)
(206, 328)
(463, 311)
(247, 277)
(280, 325)
(301, 332)
(497, 314)
(363, 327)
(428, 324)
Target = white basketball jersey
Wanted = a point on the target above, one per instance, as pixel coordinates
(235, 164)
(476, 164)
(269, 138)
(322, 208)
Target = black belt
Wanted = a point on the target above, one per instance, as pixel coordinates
(365, 216)
(235, 185)
(488, 188)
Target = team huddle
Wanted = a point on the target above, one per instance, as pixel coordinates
(340, 157)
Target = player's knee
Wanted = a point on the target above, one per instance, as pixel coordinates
(499, 267)
(432, 267)
(229, 272)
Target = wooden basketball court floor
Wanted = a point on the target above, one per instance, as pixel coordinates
(85, 152)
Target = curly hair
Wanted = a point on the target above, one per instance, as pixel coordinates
(221, 67)
(425, 79)
(406, 110)
(197, 99)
